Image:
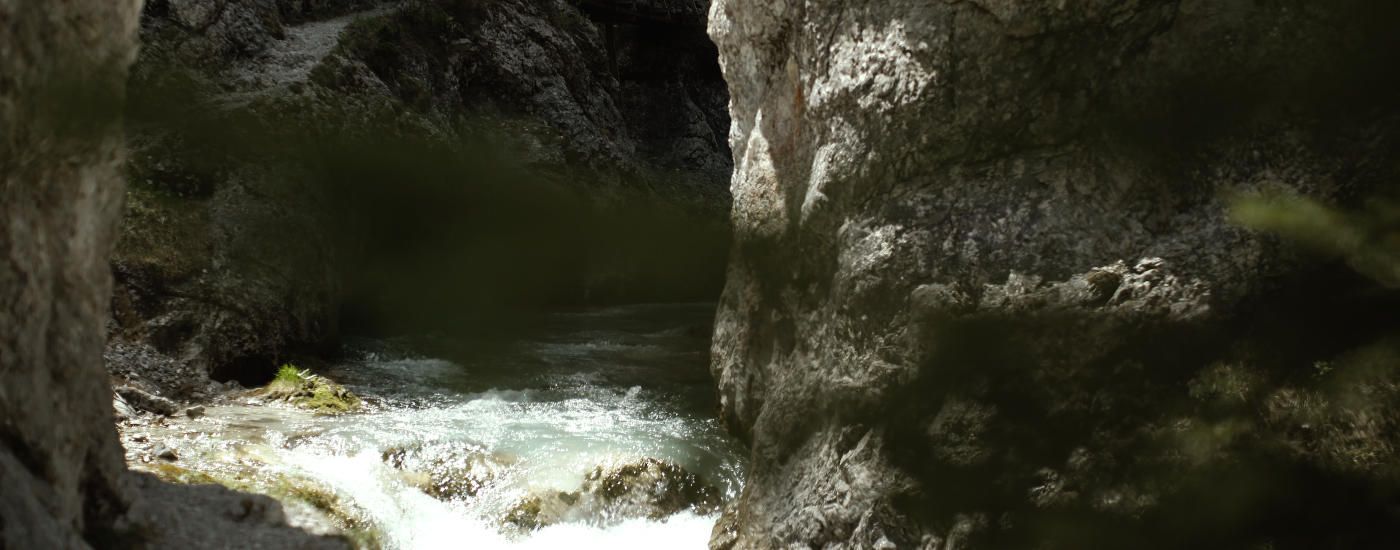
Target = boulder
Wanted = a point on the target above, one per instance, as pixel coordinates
(146, 401)
(650, 488)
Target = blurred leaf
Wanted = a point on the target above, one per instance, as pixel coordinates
(1368, 240)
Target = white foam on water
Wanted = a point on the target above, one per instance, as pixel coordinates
(412, 520)
(549, 429)
(679, 532)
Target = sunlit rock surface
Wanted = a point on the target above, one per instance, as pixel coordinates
(982, 255)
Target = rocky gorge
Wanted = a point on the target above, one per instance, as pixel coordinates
(253, 121)
(242, 214)
(994, 274)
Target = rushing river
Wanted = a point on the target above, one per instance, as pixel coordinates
(586, 389)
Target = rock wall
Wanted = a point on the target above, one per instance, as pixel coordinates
(985, 292)
(273, 141)
(61, 184)
(60, 463)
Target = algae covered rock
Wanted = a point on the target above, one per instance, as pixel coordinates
(318, 508)
(309, 391)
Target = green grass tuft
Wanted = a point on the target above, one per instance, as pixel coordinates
(291, 374)
(309, 391)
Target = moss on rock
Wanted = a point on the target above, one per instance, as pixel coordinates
(309, 391)
(171, 473)
(346, 517)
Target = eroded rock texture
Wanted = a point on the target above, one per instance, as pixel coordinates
(985, 294)
(60, 192)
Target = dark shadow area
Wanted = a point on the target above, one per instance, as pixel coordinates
(249, 372)
(442, 240)
(420, 178)
(1225, 435)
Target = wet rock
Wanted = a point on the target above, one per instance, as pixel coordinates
(649, 488)
(148, 402)
(320, 509)
(163, 452)
(448, 472)
(536, 511)
(173, 473)
(461, 481)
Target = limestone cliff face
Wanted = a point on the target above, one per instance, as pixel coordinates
(984, 291)
(60, 193)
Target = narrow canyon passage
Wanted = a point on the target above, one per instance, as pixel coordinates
(380, 260)
(736, 274)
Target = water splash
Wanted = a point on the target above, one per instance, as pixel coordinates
(593, 389)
